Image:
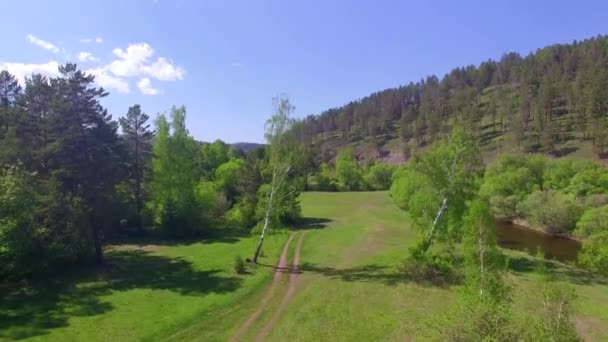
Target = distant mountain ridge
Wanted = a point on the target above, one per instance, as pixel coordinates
(552, 101)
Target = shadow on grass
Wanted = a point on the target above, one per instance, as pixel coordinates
(41, 306)
(311, 223)
(374, 273)
(366, 273)
(224, 235)
(557, 270)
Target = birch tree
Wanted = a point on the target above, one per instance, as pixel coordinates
(434, 188)
(281, 157)
(482, 258)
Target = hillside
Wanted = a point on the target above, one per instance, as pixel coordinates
(552, 101)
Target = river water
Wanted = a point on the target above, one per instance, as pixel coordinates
(512, 236)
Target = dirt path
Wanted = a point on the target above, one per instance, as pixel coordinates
(293, 282)
(280, 268)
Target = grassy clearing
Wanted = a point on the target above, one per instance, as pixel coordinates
(349, 287)
(145, 293)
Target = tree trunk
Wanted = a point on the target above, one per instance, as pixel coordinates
(429, 238)
(481, 259)
(258, 249)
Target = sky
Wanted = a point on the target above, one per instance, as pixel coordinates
(225, 60)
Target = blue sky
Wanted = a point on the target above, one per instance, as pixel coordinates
(226, 60)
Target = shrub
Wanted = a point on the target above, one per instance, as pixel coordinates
(240, 267)
(594, 254)
(348, 172)
(433, 267)
(554, 322)
(379, 176)
(593, 221)
(557, 213)
(242, 214)
(481, 322)
(509, 180)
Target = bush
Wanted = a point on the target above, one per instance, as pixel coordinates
(242, 214)
(481, 322)
(240, 267)
(379, 176)
(554, 322)
(594, 254)
(557, 213)
(326, 179)
(434, 268)
(348, 172)
(509, 180)
(593, 221)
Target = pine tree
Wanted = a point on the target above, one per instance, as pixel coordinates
(138, 135)
(85, 147)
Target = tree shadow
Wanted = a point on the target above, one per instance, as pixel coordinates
(556, 270)
(224, 235)
(311, 223)
(42, 305)
(367, 273)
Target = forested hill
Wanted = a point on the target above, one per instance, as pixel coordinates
(552, 101)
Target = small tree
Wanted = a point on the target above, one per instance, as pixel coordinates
(281, 158)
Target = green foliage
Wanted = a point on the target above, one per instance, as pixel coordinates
(556, 212)
(435, 267)
(509, 180)
(435, 187)
(481, 322)
(348, 172)
(227, 176)
(379, 176)
(240, 267)
(18, 234)
(561, 173)
(285, 208)
(483, 262)
(175, 177)
(326, 178)
(594, 254)
(593, 221)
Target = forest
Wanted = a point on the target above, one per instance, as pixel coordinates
(549, 101)
(98, 214)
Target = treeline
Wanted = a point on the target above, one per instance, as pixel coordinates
(347, 175)
(69, 182)
(537, 102)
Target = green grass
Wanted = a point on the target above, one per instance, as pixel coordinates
(146, 292)
(349, 288)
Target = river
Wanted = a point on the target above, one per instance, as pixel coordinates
(513, 236)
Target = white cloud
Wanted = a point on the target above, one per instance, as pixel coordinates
(145, 86)
(134, 61)
(97, 40)
(42, 43)
(87, 57)
(108, 81)
(22, 70)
